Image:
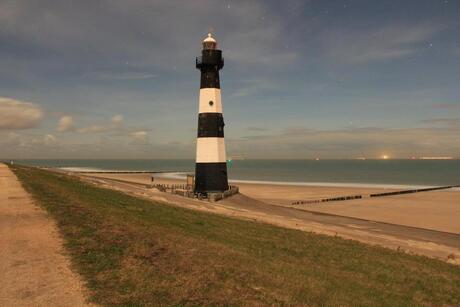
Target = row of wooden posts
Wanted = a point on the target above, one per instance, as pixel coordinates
(351, 197)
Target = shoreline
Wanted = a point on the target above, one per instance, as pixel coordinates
(182, 176)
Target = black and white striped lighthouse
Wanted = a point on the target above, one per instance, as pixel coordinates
(211, 162)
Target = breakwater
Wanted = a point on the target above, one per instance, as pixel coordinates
(358, 196)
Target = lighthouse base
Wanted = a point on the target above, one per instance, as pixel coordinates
(211, 177)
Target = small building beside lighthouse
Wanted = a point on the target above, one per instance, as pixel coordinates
(211, 161)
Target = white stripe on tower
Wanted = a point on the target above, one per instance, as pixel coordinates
(210, 101)
(210, 150)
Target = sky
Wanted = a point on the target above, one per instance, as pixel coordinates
(302, 79)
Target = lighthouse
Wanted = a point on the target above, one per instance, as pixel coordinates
(211, 163)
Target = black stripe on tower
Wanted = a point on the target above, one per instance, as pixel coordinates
(210, 63)
(210, 78)
(211, 177)
(210, 125)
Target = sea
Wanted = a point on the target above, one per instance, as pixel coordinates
(390, 173)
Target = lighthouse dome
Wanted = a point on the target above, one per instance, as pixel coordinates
(209, 42)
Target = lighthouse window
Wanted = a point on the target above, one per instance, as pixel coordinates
(211, 103)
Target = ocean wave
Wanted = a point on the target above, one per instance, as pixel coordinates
(80, 169)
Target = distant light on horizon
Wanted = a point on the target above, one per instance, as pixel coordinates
(385, 157)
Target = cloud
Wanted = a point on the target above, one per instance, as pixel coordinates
(349, 143)
(93, 129)
(29, 141)
(257, 129)
(447, 106)
(66, 123)
(74, 63)
(12, 139)
(449, 122)
(297, 143)
(134, 35)
(116, 123)
(16, 114)
(357, 46)
(46, 140)
(139, 137)
(49, 139)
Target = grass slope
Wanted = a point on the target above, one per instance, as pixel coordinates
(136, 252)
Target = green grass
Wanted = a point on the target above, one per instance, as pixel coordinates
(136, 252)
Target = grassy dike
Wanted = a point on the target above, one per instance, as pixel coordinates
(136, 252)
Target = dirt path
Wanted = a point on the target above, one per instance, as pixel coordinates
(33, 268)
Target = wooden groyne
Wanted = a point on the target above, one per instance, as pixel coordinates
(323, 200)
(412, 191)
(351, 197)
